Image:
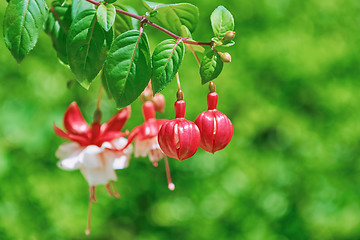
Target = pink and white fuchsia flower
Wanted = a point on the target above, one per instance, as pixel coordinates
(146, 140)
(94, 149)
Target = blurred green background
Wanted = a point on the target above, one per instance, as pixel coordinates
(291, 171)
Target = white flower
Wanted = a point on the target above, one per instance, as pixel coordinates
(148, 147)
(97, 164)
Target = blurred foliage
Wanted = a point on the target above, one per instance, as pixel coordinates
(290, 172)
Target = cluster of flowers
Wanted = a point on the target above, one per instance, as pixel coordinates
(99, 149)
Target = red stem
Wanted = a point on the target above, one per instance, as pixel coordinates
(143, 20)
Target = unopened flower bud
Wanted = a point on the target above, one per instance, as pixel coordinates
(225, 57)
(229, 35)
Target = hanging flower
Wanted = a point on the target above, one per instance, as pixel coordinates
(216, 129)
(179, 138)
(146, 141)
(94, 149)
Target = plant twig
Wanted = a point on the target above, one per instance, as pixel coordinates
(195, 55)
(143, 20)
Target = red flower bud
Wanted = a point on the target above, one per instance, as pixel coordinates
(179, 138)
(215, 128)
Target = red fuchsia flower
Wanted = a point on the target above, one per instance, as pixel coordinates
(179, 138)
(94, 149)
(216, 129)
(145, 139)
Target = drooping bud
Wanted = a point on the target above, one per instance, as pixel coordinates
(159, 102)
(229, 35)
(179, 138)
(225, 57)
(216, 129)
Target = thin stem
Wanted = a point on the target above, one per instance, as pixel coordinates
(195, 55)
(65, 29)
(178, 81)
(171, 185)
(99, 97)
(143, 20)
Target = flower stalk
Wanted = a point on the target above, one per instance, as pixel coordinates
(143, 20)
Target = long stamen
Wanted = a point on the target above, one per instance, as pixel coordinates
(171, 185)
(115, 192)
(91, 199)
(108, 189)
(92, 194)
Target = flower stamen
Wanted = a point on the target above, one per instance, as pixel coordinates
(91, 199)
(115, 192)
(108, 189)
(171, 185)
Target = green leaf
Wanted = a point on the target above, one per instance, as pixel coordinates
(122, 23)
(87, 46)
(128, 67)
(211, 66)
(221, 21)
(23, 21)
(58, 28)
(105, 85)
(185, 32)
(106, 16)
(78, 6)
(135, 22)
(166, 60)
(173, 16)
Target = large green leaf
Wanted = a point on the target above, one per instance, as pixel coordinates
(172, 16)
(128, 67)
(211, 66)
(106, 16)
(23, 22)
(57, 28)
(166, 60)
(221, 21)
(78, 6)
(122, 23)
(87, 46)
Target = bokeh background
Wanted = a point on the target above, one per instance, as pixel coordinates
(291, 171)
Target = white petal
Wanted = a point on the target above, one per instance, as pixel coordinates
(121, 162)
(106, 145)
(142, 147)
(70, 149)
(98, 176)
(69, 163)
(119, 142)
(69, 155)
(155, 155)
(91, 157)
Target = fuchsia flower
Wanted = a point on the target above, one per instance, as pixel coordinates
(146, 140)
(215, 127)
(94, 149)
(179, 138)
